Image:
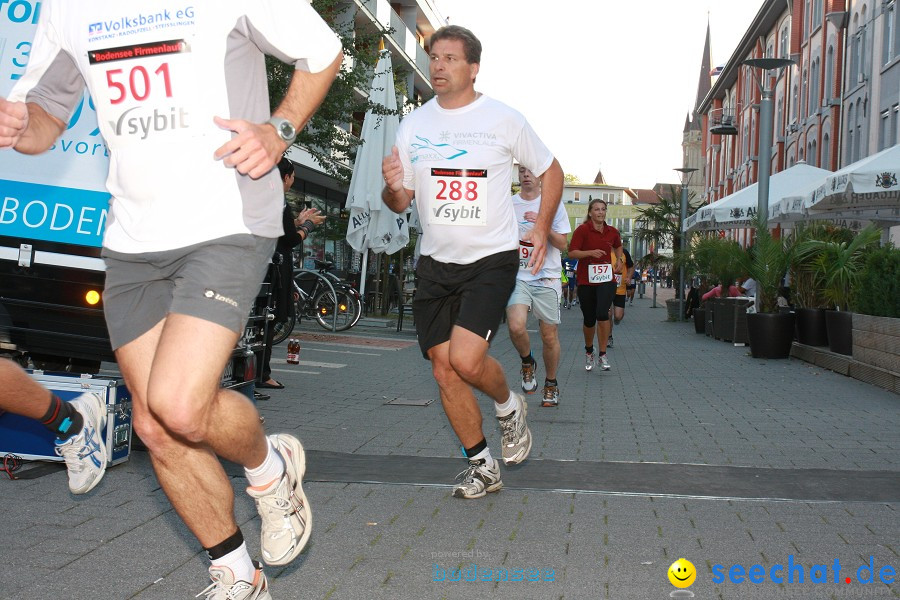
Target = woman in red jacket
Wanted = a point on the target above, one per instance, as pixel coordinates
(593, 244)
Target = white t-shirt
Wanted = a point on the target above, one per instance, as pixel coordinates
(553, 257)
(459, 164)
(750, 286)
(157, 72)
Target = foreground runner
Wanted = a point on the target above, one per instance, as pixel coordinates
(455, 154)
(539, 292)
(195, 212)
(593, 244)
(79, 425)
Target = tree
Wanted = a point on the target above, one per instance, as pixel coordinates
(572, 179)
(660, 224)
(326, 136)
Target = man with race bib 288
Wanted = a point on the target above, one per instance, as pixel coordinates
(455, 155)
(593, 244)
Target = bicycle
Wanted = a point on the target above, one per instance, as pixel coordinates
(336, 310)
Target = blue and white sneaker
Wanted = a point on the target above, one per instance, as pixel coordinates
(85, 453)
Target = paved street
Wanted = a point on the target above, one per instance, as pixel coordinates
(688, 448)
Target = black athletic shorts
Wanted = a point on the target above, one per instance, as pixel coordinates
(619, 300)
(595, 300)
(473, 296)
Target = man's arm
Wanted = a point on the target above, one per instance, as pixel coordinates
(257, 146)
(551, 193)
(27, 128)
(620, 260)
(395, 196)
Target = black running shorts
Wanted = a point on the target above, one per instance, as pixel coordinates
(473, 296)
(595, 300)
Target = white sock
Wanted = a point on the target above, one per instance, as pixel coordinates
(507, 407)
(486, 455)
(239, 562)
(271, 469)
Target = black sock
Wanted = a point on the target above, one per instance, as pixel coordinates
(589, 349)
(603, 354)
(476, 449)
(230, 544)
(62, 419)
(528, 359)
(550, 382)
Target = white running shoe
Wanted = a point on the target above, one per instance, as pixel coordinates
(604, 363)
(477, 480)
(515, 435)
(529, 383)
(85, 453)
(224, 587)
(588, 361)
(286, 517)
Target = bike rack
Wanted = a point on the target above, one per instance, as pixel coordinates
(334, 313)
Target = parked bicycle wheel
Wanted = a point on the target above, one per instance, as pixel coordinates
(347, 310)
(283, 329)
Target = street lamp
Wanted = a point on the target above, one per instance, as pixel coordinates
(686, 173)
(765, 125)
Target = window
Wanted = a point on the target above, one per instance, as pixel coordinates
(895, 126)
(825, 163)
(884, 132)
(785, 49)
(829, 75)
(794, 102)
(888, 50)
(779, 115)
(577, 196)
(804, 93)
(814, 88)
(851, 127)
(854, 55)
(817, 14)
(860, 148)
(806, 19)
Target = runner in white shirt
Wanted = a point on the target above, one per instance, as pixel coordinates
(455, 154)
(181, 97)
(541, 292)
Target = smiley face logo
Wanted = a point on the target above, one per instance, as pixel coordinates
(682, 573)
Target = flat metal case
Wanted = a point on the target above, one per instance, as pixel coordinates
(28, 439)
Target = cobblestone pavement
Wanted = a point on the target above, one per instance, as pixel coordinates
(393, 531)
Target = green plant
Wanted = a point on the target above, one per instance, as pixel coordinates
(660, 225)
(878, 290)
(837, 265)
(718, 259)
(806, 290)
(766, 262)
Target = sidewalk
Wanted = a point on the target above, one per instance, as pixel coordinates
(687, 447)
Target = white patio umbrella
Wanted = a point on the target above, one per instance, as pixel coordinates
(740, 208)
(870, 183)
(372, 225)
(793, 209)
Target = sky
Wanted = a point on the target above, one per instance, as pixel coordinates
(605, 83)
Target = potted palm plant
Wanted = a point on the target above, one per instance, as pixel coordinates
(771, 332)
(807, 296)
(837, 266)
(721, 259)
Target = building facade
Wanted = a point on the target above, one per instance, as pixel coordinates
(836, 104)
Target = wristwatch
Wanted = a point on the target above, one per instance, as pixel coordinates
(285, 129)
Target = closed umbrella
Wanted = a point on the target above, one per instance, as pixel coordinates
(373, 226)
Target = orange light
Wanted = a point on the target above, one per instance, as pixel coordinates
(92, 297)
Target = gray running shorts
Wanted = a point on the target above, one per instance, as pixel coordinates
(542, 299)
(216, 281)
